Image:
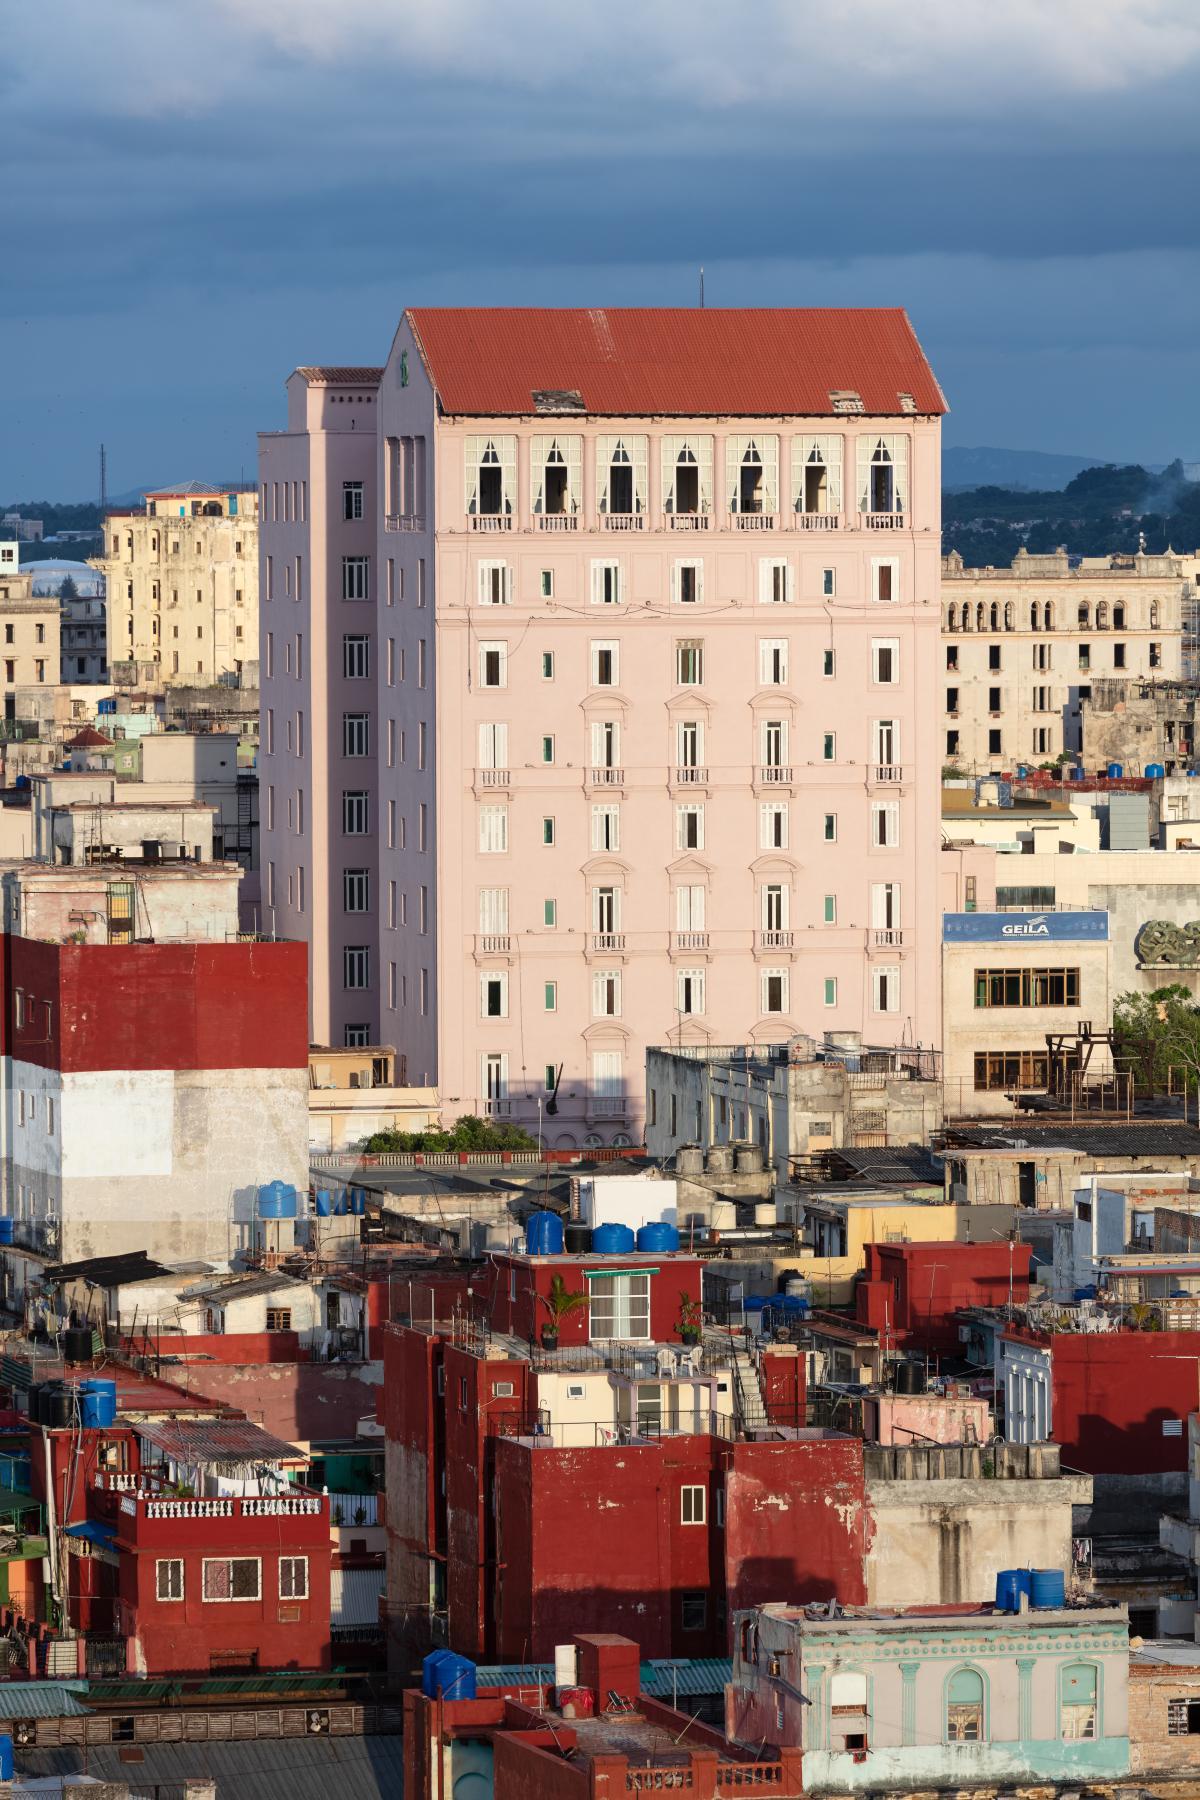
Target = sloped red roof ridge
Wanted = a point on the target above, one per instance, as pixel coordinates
(87, 739)
(684, 362)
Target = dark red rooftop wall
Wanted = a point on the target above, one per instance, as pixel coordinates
(930, 1283)
(158, 1006)
(522, 1286)
(796, 1522)
(1112, 1394)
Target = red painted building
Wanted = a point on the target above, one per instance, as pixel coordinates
(910, 1293)
(606, 1484)
(602, 1738)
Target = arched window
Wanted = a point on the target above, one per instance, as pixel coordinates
(1078, 1700)
(1085, 613)
(966, 617)
(994, 616)
(952, 619)
(1154, 615)
(981, 617)
(1118, 618)
(1049, 613)
(964, 1707)
(1101, 615)
(1009, 616)
(1033, 615)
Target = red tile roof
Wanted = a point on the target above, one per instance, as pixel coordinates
(87, 739)
(341, 377)
(684, 362)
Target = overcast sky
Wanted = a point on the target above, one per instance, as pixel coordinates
(201, 196)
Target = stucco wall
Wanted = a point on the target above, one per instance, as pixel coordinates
(944, 1541)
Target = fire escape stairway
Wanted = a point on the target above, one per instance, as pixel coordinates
(749, 1411)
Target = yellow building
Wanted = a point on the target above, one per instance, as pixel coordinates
(182, 583)
(29, 626)
(839, 1228)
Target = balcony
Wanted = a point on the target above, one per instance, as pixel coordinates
(691, 940)
(775, 774)
(494, 778)
(404, 522)
(775, 940)
(607, 777)
(693, 775)
(491, 521)
(687, 521)
(498, 1109)
(607, 1106)
(887, 937)
(622, 521)
(882, 521)
(753, 521)
(806, 521)
(493, 943)
(557, 521)
(607, 941)
(889, 774)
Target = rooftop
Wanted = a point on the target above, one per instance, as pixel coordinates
(963, 1616)
(306, 1768)
(684, 362)
(340, 376)
(1124, 1138)
(220, 1443)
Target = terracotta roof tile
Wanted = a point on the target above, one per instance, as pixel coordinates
(341, 377)
(681, 362)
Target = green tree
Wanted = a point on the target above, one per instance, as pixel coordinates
(1155, 1032)
(68, 590)
(467, 1133)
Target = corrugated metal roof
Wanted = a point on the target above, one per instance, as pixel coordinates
(218, 1442)
(629, 362)
(353, 1768)
(1129, 1139)
(41, 1699)
(354, 1596)
(695, 1675)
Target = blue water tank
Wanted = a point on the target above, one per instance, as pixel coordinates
(543, 1234)
(1114, 771)
(612, 1240)
(1048, 1587)
(790, 1303)
(1086, 1293)
(358, 1200)
(97, 1404)
(6, 1231)
(6, 1757)
(1010, 1585)
(277, 1200)
(454, 1678)
(658, 1238)
(1022, 771)
(429, 1669)
(323, 1203)
(754, 1303)
(1155, 771)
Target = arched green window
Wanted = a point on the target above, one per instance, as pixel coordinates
(1079, 1693)
(964, 1707)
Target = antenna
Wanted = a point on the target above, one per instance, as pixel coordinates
(103, 478)
(702, 284)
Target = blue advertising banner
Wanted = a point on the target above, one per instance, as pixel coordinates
(1024, 927)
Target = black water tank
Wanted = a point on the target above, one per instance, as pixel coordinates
(577, 1240)
(35, 1403)
(903, 1382)
(57, 1408)
(77, 1344)
(786, 1275)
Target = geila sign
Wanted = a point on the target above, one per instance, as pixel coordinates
(1024, 927)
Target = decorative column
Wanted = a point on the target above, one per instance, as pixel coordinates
(813, 1675)
(1025, 1668)
(908, 1702)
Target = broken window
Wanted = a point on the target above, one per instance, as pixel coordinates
(1079, 1689)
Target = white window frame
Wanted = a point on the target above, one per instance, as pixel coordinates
(885, 449)
(689, 743)
(773, 825)
(691, 906)
(597, 647)
(173, 1567)
(230, 1599)
(774, 581)
(356, 968)
(694, 648)
(692, 979)
(677, 568)
(607, 996)
(356, 657)
(625, 1300)
(738, 453)
(497, 647)
(766, 976)
(493, 829)
(605, 743)
(693, 1505)
(608, 582)
(773, 658)
(493, 744)
(774, 737)
(828, 453)
(493, 912)
(885, 824)
(561, 450)
(294, 1564)
(606, 826)
(775, 905)
(487, 979)
(632, 449)
(685, 813)
(698, 448)
(356, 804)
(495, 583)
(494, 450)
(356, 578)
(885, 988)
(356, 887)
(885, 562)
(885, 654)
(356, 735)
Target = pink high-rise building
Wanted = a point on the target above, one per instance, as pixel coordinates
(651, 600)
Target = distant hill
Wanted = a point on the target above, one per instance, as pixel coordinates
(1101, 510)
(986, 466)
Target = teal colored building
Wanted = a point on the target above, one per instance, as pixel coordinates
(936, 1699)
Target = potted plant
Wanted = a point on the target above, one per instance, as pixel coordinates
(691, 1319)
(559, 1303)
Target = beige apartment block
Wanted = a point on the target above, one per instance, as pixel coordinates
(29, 625)
(182, 584)
(1022, 646)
